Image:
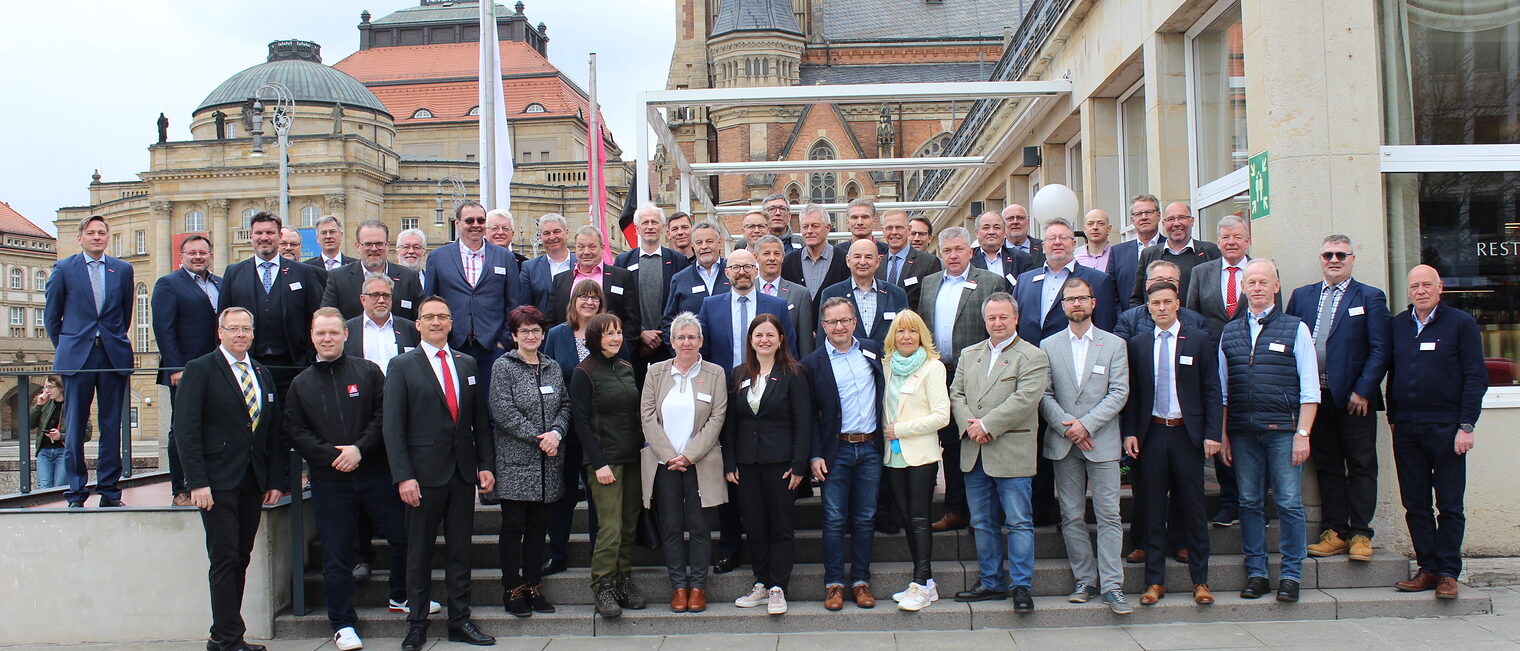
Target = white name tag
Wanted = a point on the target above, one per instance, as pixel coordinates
(1012, 279)
(633, 267)
(1038, 278)
(407, 349)
(906, 390)
(500, 271)
(1356, 311)
(699, 289)
(406, 304)
(615, 289)
(1185, 360)
(271, 397)
(1424, 345)
(470, 380)
(295, 287)
(704, 397)
(744, 384)
(791, 307)
(1277, 348)
(970, 284)
(910, 281)
(868, 354)
(1099, 370)
(546, 390)
(888, 316)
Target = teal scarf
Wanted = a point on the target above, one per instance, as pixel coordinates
(905, 366)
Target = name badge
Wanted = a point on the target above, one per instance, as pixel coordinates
(1012, 279)
(906, 390)
(1099, 370)
(910, 281)
(1185, 360)
(470, 380)
(500, 271)
(633, 267)
(1424, 345)
(970, 284)
(295, 287)
(406, 304)
(704, 397)
(868, 354)
(744, 384)
(1277, 348)
(353, 390)
(888, 316)
(1038, 278)
(699, 289)
(1356, 311)
(615, 289)
(546, 390)
(271, 397)
(791, 307)
(407, 349)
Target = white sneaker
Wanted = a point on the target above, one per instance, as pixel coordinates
(916, 599)
(930, 588)
(401, 606)
(347, 640)
(776, 603)
(757, 597)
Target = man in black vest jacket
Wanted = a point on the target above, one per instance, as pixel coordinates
(281, 295)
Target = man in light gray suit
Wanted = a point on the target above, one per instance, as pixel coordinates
(1089, 383)
(770, 252)
(995, 399)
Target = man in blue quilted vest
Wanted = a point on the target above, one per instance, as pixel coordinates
(1269, 376)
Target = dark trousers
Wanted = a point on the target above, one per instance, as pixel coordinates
(1345, 462)
(912, 490)
(685, 535)
(364, 545)
(231, 526)
(451, 505)
(562, 513)
(768, 506)
(950, 447)
(1042, 499)
(1139, 520)
(731, 527)
(523, 525)
(1229, 492)
(336, 503)
(1171, 467)
(1426, 464)
(176, 471)
(80, 391)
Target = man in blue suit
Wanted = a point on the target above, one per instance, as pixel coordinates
(480, 282)
(1350, 325)
(538, 274)
(876, 303)
(89, 308)
(1124, 258)
(281, 294)
(726, 317)
(1137, 319)
(703, 278)
(184, 324)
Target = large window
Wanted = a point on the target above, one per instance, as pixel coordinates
(822, 186)
(18, 278)
(144, 318)
(195, 222)
(1216, 70)
(1134, 169)
(309, 216)
(1453, 71)
(39, 281)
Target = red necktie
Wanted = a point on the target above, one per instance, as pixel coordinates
(1231, 295)
(448, 386)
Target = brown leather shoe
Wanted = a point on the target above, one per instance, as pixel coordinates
(950, 522)
(1137, 556)
(1447, 588)
(1202, 596)
(863, 596)
(679, 600)
(182, 499)
(833, 597)
(696, 600)
(1421, 582)
(1181, 556)
(1153, 594)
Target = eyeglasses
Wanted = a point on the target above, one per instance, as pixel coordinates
(1073, 300)
(372, 245)
(829, 323)
(237, 330)
(1335, 255)
(434, 317)
(379, 296)
(1178, 219)
(743, 267)
(1142, 213)
(474, 220)
(530, 332)
(687, 338)
(587, 298)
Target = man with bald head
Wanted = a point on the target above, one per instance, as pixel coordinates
(1019, 235)
(993, 253)
(876, 303)
(1095, 254)
(726, 317)
(1436, 381)
(1179, 247)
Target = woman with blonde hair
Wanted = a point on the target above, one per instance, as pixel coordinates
(917, 405)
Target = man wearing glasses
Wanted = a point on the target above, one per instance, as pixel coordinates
(479, 281)
(778, 215)
(726, 317)
(919, 231)
(1124, 259)
(383, 333)
(1179, 248)
(372, 238)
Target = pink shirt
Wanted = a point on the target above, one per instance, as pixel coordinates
(595, 275)
(1099, 262)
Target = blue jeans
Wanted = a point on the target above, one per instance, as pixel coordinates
(336, 503)
(849, 500)
(1262, 457)
(984, 494)
(50, 469)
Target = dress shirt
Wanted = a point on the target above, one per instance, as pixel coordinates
(997, 349)
(857, 389)
(755, 393)
(595, 275)
(994, 261)
(1079, 347)
(709, 275)
(332, 263)
(1145, 244)
(380, 341)
(770, 287)
(1170, 361)
(259, 264)
(946, 304)
(1099, 262)
(1419, 324)
(741, 327)
(679, 409)
(247, 362)
(1240, 281)
(1024, 246)
(1303, 357)
(814, 270)
(1335, 304)
(865, 303)
(474, 262)
(203, 281)
(440, 368)
(895, 263)
(1189, 245)
(1050, 291)
(556, 268)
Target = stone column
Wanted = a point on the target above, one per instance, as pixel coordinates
(1166, 139)
(216, 214)
(1100, 159)
(163, 214)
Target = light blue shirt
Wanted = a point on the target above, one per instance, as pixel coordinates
(857, 389)
(1050, 291)
(946, 304)
(708, 275)
(1303, 356)
(865, 303)
(994, 261)
(741, 327)
(1419, 326)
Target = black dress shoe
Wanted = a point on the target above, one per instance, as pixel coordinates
(980, 593)
(416, 638)
(76, 505)
(726, 564)
(213, 644)
(242, 645)
(111, 502)
(468, 634)
(1287, 590)
(553, 566)
(1256, 586)
(1022, 602)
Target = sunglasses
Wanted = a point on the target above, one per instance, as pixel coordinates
(474, 220)
(1335, 255)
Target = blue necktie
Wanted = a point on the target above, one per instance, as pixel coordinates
(741, 330)
(1164, 377)
(268, 269)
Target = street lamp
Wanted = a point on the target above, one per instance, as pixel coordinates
(284, 115)
(457, 194)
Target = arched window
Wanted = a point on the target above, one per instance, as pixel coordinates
(248, 218)
(39, 281)
(535, 108)
(144, 318)
(421, 113)
(309, 216)
(934, 147)
(18, 278)
(195, 222)
(474, 110)
(851, 191)
(822, 186)
(794, 194)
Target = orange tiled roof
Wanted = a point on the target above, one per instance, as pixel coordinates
(451, 101)
(13, 222)
(439, 62)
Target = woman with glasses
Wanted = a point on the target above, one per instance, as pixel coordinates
(47, 422)
(531, 412)
(566, 344)
(765, 453)
(683, 406)
(916, 405)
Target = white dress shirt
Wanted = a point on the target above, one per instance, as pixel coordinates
(439, 369)
(678, 411)
(247, 362)
(1079, 347)
(380, 341)
(995, 350)
(1240, 281)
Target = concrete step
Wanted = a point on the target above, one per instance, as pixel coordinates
(810, 616)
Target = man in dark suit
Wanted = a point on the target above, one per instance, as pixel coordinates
(876, 303)
(1178, 247)
(1137, 319)
(1020, 233)
(88, 311)
(184, 324)
(330, 241)
(904, 265)
(1173, 418)
(799, 303)
(344, 284)
(651, 267)
(1350, 324)
(992, 252)
(281, 295)
(538, 274)
(620, 290)
(778, 216)
(480, 282)
(920, 229)
(441, 451)
(860, 219)
(227, 425)
(703, 278)
(379, 334)
(1124, 259)
(726, 317)
(816, 265)
(501, 229)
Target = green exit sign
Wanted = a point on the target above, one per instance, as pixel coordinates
(1260, 187)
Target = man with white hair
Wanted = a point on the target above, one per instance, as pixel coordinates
(816, 265)
(411, 252)
(501, 228)
(652, 267)
(538, 273)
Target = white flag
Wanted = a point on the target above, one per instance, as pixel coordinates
(495, 133)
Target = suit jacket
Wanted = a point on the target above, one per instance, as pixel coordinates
(184, 320)
(620, 296)
(827, 413)
(672, 262)
(916, 267)
(703, 448)
(716, 315)
(1358, 351)
(422, 440)
(1097, 404)
(968, 328)
(923, 409)
(407, 337)
(538, 282)
(1036, 250)
(73, 322)
(791, 269)
(1205, 297)
(297, 293)
(687, 291)
(1031, 284)
(1197, 384)
(316, 261)
(779, 432)
(1202, 252)
(479, 311)
(1015, 262)
(843, 248)
(1008, 403)
(1138, 319)
(799, 307)
(890, 299)
(217, 441)
(1123, 266)
(345, 284)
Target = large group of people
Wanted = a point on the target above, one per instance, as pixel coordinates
(716, 386)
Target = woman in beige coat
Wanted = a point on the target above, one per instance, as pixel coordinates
(683, 406)
(917, 406)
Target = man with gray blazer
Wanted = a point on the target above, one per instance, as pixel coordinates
(995, 400)
(1089, 383)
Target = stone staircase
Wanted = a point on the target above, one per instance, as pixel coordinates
(1333, 588)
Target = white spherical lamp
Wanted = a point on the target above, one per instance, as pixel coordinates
(1052, 201)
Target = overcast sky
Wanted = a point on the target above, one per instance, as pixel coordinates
(84, 82)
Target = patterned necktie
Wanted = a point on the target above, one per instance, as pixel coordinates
(1164, 377)
(268, 270)
(98, 283)
(250, 396)
(1231, 295)
(896, 270)
(448, 385)
(741, 330)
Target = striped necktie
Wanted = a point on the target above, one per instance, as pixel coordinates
(250, 396)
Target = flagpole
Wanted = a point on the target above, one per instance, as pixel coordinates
(488, 75)
(598, 213)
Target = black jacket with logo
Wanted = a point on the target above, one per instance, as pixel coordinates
(337, 403)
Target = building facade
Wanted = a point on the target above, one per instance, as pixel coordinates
(28, 255)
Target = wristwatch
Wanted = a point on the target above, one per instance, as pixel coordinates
(1466, 427)
(1303, 432)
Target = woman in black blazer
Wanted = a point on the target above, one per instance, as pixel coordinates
(765, 449)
